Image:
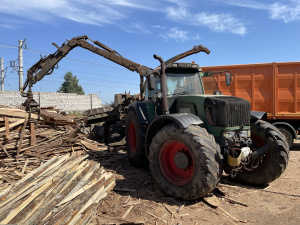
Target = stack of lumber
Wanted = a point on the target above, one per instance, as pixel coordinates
(65, 190)
(30, 143)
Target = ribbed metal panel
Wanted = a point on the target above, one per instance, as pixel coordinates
(227, 111)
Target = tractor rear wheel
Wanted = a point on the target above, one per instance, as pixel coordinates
(288, 135)
(274, 162)
(135, 140)
(185, 163)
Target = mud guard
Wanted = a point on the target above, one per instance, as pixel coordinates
(257, 115)
(287, 125)
(144, 111)
(183, 120)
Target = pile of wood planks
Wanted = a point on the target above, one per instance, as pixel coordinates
(65, 190)
(26, 141)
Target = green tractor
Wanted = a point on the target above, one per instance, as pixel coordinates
(188, 137)
(185, 133)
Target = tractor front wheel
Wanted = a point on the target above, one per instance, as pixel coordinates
(185, 163)
(274, 162)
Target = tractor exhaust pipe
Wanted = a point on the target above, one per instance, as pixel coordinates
(163, 85)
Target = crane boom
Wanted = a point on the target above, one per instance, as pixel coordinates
(46, 65)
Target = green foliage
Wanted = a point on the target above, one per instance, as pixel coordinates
(71, 85)
(112, 104)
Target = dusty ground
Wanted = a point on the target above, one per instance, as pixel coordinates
(136, 200)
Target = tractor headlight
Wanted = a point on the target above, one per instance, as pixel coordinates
(245, 133)
(228, 134)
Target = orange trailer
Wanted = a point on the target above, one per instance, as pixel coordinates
(273, 88)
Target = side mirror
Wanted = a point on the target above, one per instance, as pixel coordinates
(206, 73)
(228, 79)
(151, 82)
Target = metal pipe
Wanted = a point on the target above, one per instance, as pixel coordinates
(2, 74)
(20, 64)
(163, 85)
(141, 87)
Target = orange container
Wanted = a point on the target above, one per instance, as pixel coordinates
(270, 87)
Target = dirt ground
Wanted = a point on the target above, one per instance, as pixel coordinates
(136, 199)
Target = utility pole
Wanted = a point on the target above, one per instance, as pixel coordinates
(2, 74)
(20, 71)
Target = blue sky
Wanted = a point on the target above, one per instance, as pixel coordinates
(236, 32)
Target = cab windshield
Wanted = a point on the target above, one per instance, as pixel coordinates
(184, 83)
(210, 84)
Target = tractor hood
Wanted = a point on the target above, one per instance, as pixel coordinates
(218, 112)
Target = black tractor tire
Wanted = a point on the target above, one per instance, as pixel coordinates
(135, 140)
(185, 163)
(288, 135)
(274, 162)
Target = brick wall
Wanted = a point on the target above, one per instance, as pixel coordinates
(67, 102)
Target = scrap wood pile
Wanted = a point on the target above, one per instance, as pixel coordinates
(26, 141)
(65, 190)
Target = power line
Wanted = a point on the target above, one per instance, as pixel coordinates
(78, 60)
(7, 47)
(8, 44)
(97, 74)
(93, 79)
(137, 87)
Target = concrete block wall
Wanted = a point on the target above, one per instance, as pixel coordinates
(67, 102)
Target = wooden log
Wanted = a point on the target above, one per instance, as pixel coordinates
(87, 215)
(99, 192)
(127, 212)
(4, 149)
(16, 113)
(25, 203)
(25, 165)
(69, 183)
(57, 194)
(6, 119)
(21, 137)
(11, 119)
(12, 125)
(89, 145)
(57, 117)
(75, 130)
(32, 134)
(22, 185)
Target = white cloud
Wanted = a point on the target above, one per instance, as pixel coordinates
(176, 34)
(246, 3)
(140, 4)
(11, 24)
(103, 12)
(159, 27)
(217, 22)
(288, 12)
(196, 37)
(135, 27)
(49, 10)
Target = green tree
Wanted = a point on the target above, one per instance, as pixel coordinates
(71, 85)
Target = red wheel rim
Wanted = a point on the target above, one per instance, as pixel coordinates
(132, 137)
(170, 169)
(258, 142)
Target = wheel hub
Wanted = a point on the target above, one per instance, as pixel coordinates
(181, 160)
